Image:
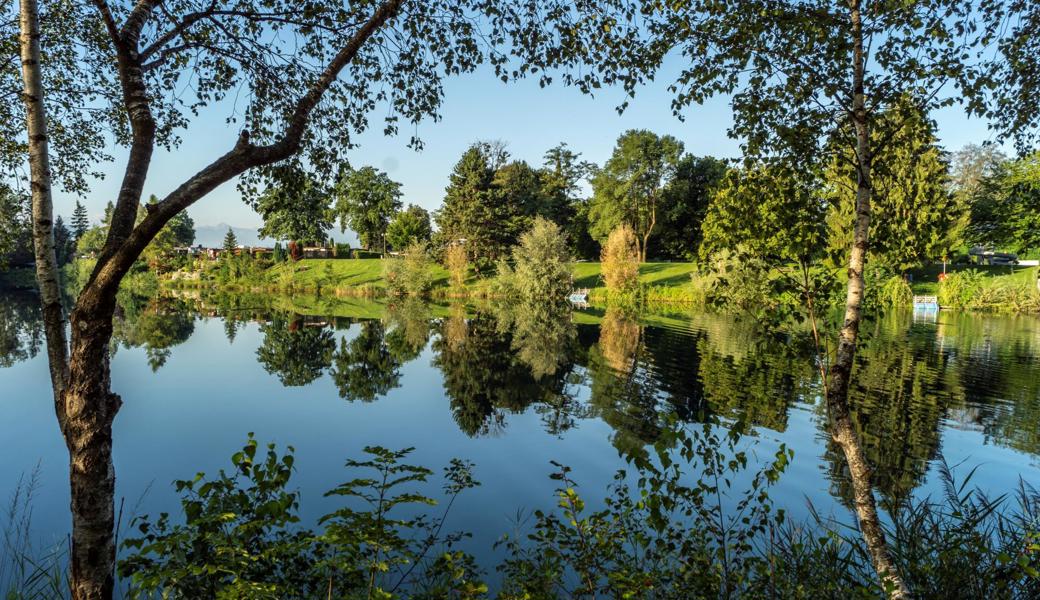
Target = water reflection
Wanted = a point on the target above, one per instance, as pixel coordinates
(155, 324)
(913, 381)
(365, 368)
(296, 350)
(21, 328)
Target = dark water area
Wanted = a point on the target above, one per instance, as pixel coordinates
(513, 388)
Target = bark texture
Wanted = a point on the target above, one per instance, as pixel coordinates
(42, 205)
(837, 392)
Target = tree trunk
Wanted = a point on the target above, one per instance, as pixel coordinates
(42, 205)
(90, 408)
(649, 230)
(82, 401)
(837, 389)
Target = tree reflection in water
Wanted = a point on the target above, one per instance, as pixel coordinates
(21, 328)
(156, 324)
(296, 350)
(365, 368)
(911, 382)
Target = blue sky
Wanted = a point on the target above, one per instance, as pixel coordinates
(476, 107)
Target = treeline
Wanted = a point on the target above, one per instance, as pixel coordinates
(81, 238)
(492, 199)
(929, 204)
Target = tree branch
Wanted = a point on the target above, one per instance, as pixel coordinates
(238, 160)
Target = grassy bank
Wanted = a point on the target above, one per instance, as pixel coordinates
(1003, 289)
(664, 282)
(926, 279)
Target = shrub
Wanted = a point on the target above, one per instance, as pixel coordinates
(895, 292)
(409, 275)
(240, 538)
(958, 289)
(620, 260)
(659, 534)
(740, 281)
(456, 261)
(541, 270)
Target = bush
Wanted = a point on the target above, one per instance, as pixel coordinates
(240, 538)
(659, 534)
(959, 289)
(895, 292)
(409, 275)
(456, 261)
(740, 281)
(541, 270)
(620, 260)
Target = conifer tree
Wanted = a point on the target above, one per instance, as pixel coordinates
(80, 222)
(230, 242)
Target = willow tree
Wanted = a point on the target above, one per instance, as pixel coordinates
(296, 83)
(798, 73)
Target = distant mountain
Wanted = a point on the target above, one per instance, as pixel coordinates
(212, 236)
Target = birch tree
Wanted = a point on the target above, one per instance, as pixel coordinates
(296, 82)
(797, 73)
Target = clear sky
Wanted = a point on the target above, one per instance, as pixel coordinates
(476, 107)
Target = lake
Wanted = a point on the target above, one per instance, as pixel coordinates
(513, 388)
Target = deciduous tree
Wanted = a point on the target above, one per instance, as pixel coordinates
(300, 84)
(366, 200)
(295, 207)
(629, 188)
(1005, 209)
(409, 226)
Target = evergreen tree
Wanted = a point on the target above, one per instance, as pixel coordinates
(80, 222)
(916, 217)
(106, 220)
(63, 241)
(490, 202)
(230, 243)
(467, 210)
(562, 171)
(516, 198)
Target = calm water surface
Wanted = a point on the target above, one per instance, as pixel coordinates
(512, 389)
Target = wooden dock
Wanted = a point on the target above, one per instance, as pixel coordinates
(926, 303)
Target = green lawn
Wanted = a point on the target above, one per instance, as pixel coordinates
(345, 272)
(587, 274)
(368, 272)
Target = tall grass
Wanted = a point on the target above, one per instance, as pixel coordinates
(28, 571)
(971, 290)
